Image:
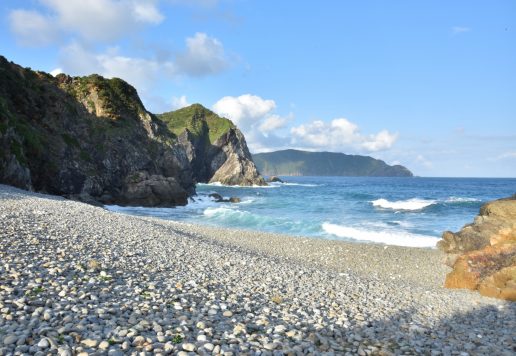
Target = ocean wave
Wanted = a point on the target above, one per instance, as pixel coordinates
(461, 200)
(218, 184)
(279, 184)
(232, 216)
(398, 238)
(409, 204)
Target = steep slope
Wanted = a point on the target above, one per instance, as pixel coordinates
(215, 148)
(87, 137)
(90, 138)
(294, 162)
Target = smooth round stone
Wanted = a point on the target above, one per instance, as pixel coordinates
(188, 347)
(89, 343)
(228, 313)
(43, 343)
(10, 339)
(280, 328)
(104, 345)
(270, 346)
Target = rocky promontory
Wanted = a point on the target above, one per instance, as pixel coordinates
(91, 139)
(483, 254)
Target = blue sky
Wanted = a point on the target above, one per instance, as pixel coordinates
(428, 84)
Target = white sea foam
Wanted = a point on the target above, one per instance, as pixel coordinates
(219, 211)
(409, 204)
(299, 184)
(218, 184)
(232, 215)
(461, 200)
(398, 238)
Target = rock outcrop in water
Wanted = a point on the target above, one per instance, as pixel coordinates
(483, 254)
(91, 138)
(215, 147)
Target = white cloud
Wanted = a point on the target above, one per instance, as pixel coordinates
(147, 12)
(32, 29)
(139, 72)
(244, 109)
(256, 118)
(56, 72)
(143, 73)
(179, 103)
(204, 55)
(340, 134)
(381, 141)
(273, 122)
(460, 29)
(92, 20)
(103, 20)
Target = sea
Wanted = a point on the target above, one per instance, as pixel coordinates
(396, 211)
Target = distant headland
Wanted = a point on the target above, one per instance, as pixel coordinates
(304, 163)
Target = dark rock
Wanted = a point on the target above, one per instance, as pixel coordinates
(275, 179)
(219, 199)
(216, 197)
(143, 189)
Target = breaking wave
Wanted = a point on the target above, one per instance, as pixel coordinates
(398, 237)
(409, 204)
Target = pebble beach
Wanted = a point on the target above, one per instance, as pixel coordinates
(77, 279)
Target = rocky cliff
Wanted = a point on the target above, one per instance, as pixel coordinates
(91, 138)
(483, 254)
(215, 147)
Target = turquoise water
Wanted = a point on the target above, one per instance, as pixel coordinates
(398, 211)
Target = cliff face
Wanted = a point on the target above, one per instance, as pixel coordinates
(302, 163)
(89, 138)
(483, 254)
(215, 148)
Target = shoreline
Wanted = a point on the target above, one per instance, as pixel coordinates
(90, 280)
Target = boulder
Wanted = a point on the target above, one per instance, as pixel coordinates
(143, 189)
(217, 197)
(483, 254)
(275, 179)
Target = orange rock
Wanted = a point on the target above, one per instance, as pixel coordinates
(471, 269)
(505, 235)
(483, 254)
(501, 284)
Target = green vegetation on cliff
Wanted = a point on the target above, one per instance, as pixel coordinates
(92, 138)
(302, 163)
(196, 118)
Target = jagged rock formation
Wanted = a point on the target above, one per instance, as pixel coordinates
(302, 163)
(483, 254)
(92, 139)
(215, 148)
